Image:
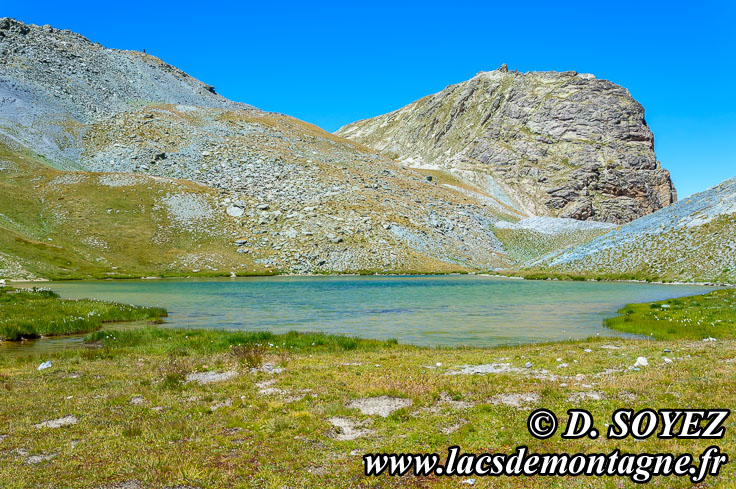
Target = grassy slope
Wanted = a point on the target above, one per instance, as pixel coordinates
(702, 253)
(525, 245)
(34, 313)
(230, 434)
(63, 225)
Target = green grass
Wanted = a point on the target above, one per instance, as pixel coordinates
(525, 245)
(26, 314)
(710, 315)
(202, 341)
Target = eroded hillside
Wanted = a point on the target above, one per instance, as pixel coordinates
(692, 240)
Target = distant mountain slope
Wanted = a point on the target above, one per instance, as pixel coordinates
(59, 224)
(546, 143)
(529, 239)
(54, 81)
(694, 239)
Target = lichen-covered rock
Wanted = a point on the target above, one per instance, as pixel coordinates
(556, 144)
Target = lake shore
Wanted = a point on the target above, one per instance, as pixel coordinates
(509, 275)
(160, 407)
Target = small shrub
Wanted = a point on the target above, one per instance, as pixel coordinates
(250, 356)
(173, 371)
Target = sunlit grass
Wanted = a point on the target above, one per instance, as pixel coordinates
(705, 316)
(26, 314)
(140, 420)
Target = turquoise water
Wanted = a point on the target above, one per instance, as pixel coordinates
(421, 310)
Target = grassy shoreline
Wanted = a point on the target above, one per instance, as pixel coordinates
(280, 409)
(33, 313)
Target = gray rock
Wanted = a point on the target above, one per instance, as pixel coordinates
(235, 211)
(382, 406)
(58, 423)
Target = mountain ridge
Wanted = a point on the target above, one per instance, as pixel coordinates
(692, 240)
(295, 198)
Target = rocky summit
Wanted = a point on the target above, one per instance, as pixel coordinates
(561, 144)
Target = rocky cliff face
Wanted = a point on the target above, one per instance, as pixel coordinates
(546, 143)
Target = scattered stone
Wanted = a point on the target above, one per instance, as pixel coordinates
(710, 339)
(268, 368)
(235, 211)
(667, 360)
(641, 362)
(448, 430)
(610, 347)
(270, 391)
(203, 378)
(586, 396)
(528, 365)
(381, 406)
(347, 429)
(44, 365)
(225, 403)
(499, 368)
(515, 400)
(58, 423)
(133, 484)
(265, 384)
(37, 459)
(137, 400)
(449, 401)
(491, 368)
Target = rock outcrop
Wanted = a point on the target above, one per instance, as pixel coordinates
(551, 144)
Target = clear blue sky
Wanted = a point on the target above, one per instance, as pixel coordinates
(331, 64)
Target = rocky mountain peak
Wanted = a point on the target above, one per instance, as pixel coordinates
(561, 144)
